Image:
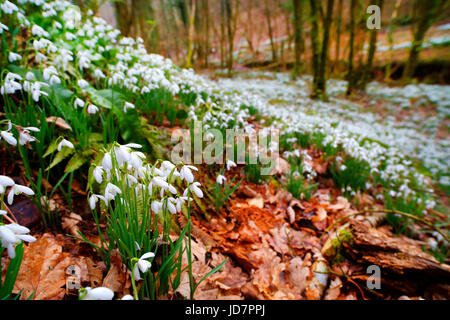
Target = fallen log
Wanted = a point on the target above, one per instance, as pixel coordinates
(405, 268)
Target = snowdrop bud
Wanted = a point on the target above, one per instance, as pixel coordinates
(107, 161)
(98, 172)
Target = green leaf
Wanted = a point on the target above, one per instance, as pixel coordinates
(51, 148)
(77, 160)
(95, 137)
(106, 98)
(11, 273)
(60, 156)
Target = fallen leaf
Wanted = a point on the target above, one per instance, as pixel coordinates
(69, 223)
(43, 270)
(59, 122)
(95, 273)
(256, 202)
(116, 277)
(281, 167)
(334, 290)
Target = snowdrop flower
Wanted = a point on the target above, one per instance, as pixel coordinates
(12, 57)
(179, 202)
(70, 36)
(16, 190)
(94, 199)
(186, 173)
(65, 143)
(3, 27)
(343, 167)
(142, 265)
(91, 109)
(221, 179)
(160, 182)
(107, 161)
(111, 191)
(127, 297)
(171, 205)
(40, 57)
(5, 182)
(156, 206)
(38, 31)
(8, 7)
(3, 213)
(25, 137)
(230, 164)
(98, 174)
(99, 293)
(8, 137)
(128, 106)
(82, 83)
(11, 85)
(98, 74)
(11, 234)
(78, 103)
(195, 189)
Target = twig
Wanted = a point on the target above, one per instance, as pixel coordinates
(10, 212)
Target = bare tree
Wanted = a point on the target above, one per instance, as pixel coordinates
(315, 43)
(298, 37)
(424, 13)
(350, 75)
(268, 14)
(371, 53)
(338, 34)
(321, 77)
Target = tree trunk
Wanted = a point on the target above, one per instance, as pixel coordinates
(426, 11)
(387, 73)
(315, 45)
(372, 48)
(321, 81)
(350, 75)
(298, 35)
(191, 34)
(270, 30)
(338, 35)
(207, 33)
(123, 16)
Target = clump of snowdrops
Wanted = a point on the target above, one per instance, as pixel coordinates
(138, 201)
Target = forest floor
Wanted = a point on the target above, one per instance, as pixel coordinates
(280, 247)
